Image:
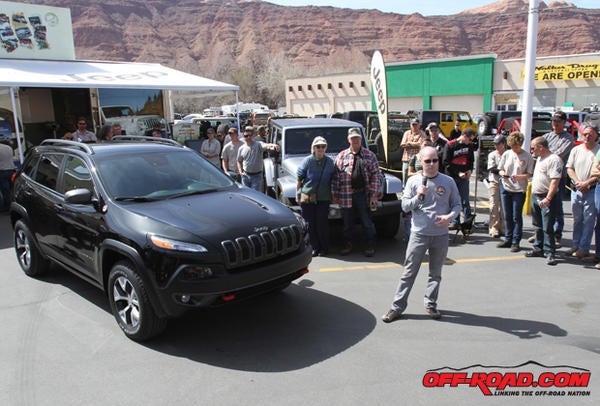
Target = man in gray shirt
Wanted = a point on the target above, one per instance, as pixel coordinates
(560, 143)
(250, 160)
(434, 201)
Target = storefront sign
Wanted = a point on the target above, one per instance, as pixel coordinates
(35, 32)
(570, 71)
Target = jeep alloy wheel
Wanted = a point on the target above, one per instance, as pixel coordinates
(130, 304)
(29, 257)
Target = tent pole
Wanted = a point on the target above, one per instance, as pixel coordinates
(16, 118)
(237, 111)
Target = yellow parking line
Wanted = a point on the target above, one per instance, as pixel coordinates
(393, 265)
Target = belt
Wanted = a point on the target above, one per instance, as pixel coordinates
(540, 195)
(253, 173)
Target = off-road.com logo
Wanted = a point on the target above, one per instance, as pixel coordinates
(495, 381)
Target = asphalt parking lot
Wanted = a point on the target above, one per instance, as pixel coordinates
(321, 341)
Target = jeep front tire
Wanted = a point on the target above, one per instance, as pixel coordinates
(130, 304)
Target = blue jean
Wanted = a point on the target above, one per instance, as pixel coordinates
(316, 215)
(360, 208)
(512, 205)
(597, 228)
(543, 220)
(559, 222)
(415, 253)
(584, 217)
(463, 191)
(5, 188)
(253, 181)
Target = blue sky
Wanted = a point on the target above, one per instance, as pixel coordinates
(425, 7)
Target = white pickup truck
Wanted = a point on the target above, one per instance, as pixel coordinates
(131, 123)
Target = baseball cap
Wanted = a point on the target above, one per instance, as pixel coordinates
(433, 124)
(499, 139)
(354, 132)
(415, 120)
(319, 141)
(559, 115)
(248, 128)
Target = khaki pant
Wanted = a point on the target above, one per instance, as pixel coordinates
(496, 225)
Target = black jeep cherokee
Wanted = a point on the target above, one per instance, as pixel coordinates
(156, 226)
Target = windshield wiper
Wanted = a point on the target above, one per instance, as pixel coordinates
(135, 199)
(191, 193)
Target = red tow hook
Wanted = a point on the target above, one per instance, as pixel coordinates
(304, 271)
(228, 297)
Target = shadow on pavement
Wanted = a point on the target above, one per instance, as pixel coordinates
(6, 234)
(517, 327)
(278, 332)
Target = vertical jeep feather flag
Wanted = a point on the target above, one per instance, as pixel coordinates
(379, 89)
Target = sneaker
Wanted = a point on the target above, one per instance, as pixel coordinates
(534, 253)
(597, 266)
(557, 243)
(370, 251)
(504, 244)
(531, 239)
(571, 252)
(391, 315)
(551, 260)
(433, 312)
(515, 248)
(315, 253)
(581, 254)
(347, 249)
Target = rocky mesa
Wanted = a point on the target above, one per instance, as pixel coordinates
(209, 37)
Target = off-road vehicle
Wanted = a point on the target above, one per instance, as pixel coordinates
(154, 225)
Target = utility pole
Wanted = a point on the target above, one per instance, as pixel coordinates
(529, 83)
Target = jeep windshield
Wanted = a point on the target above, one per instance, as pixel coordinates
(299, 140)
(160, 175)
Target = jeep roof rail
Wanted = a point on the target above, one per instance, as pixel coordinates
(141, 138)
(67, 143)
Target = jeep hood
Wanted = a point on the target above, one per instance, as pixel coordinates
(213, 216)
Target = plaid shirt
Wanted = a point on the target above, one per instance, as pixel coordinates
(341, 187)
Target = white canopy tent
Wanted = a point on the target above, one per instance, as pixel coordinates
(15, 73)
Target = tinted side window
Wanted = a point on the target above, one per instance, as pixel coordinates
(447, 117)
(29, 165)
(47, 172)
(76, 175)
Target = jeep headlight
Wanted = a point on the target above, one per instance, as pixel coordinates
(174, 245)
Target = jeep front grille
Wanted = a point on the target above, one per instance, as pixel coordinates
(261, 246)
(149, 123)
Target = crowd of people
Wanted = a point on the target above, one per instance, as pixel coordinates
(554, 165)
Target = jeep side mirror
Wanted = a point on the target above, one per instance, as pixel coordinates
(78, 196)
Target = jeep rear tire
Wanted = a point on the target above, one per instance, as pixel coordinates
(130, 304)
(30, 259)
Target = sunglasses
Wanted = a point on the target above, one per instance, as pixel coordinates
(247, 135)
(320, 146)
(428, 161)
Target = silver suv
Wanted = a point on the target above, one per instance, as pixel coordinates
(295, 136)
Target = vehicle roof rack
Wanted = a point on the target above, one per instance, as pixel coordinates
(67, 143)
(141, 138)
